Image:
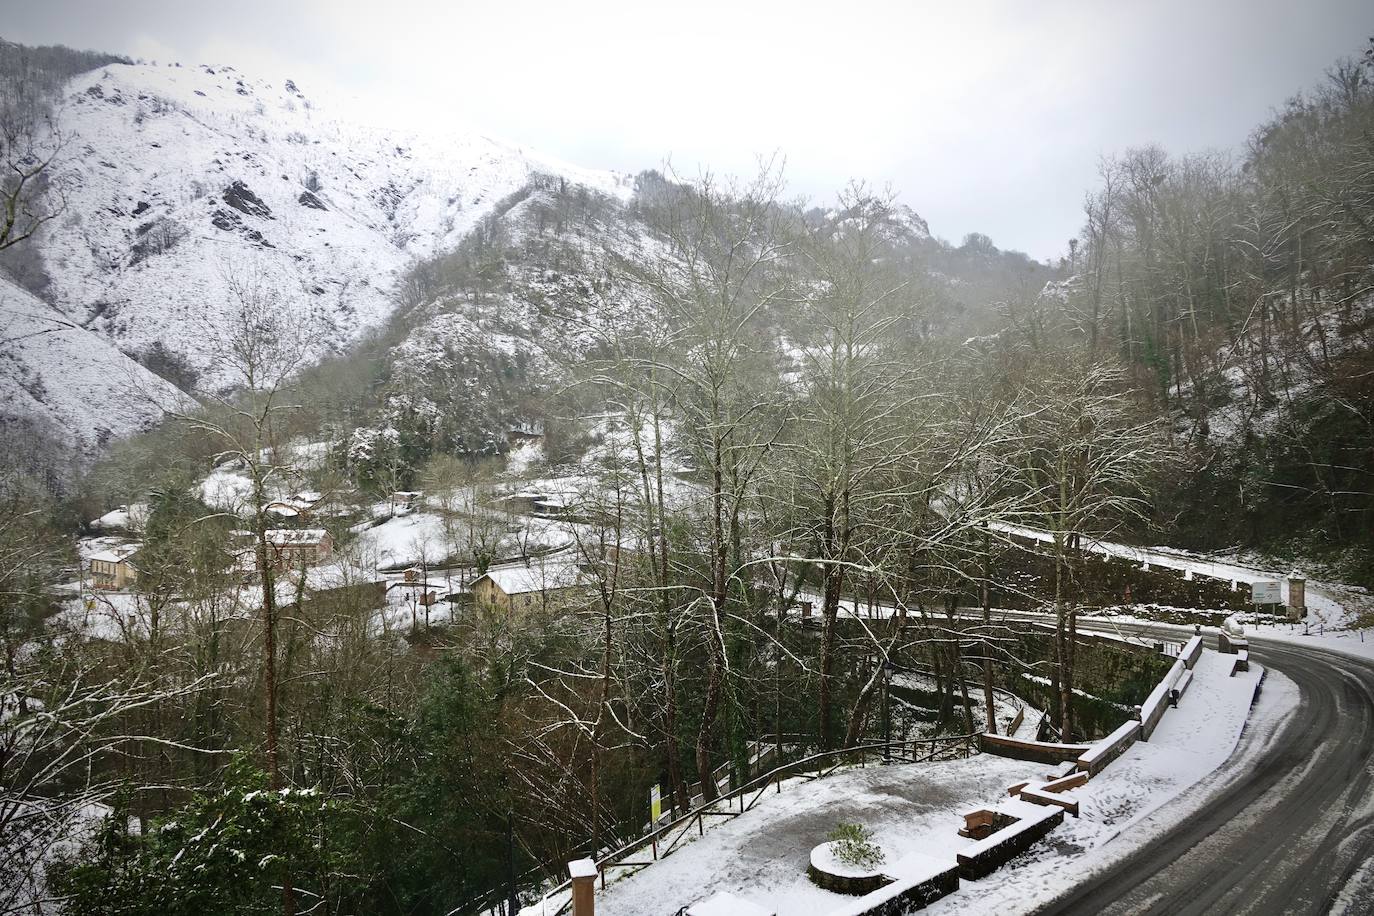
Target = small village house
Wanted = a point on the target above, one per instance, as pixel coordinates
(524, 587)
(114, 567)
(297, 505)
(294, 547)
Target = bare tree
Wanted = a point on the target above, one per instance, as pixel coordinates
(29, 143)
(857, 378)
(262, 341)
(68, 717)
(718, 276)
(1083, 459)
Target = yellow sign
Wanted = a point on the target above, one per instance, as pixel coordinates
(655, 804)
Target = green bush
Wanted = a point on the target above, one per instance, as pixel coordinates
(853, 845)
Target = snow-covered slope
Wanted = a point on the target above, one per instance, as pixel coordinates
(527, 296)
(176, 176)
(65, 383)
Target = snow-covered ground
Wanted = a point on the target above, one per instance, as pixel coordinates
(403, 540)
(761, 856)
(1141, 793)
(132, 517)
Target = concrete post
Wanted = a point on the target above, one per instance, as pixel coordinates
(583, 873)
(1297, 592)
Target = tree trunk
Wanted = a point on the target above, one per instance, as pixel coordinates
(714, 637)
(1062, 648)
(990, 710)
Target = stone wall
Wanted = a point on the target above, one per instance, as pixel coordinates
(1102, 581)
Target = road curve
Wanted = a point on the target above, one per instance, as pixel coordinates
(1291, 832)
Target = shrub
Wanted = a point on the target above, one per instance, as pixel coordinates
(853, 845)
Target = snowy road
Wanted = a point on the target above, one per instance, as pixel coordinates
(1289, 829)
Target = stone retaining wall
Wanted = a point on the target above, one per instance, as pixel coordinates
(901, 897)
(986, 856)
(1033, 751)
(1096, 758)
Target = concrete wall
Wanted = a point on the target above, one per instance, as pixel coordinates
(1191, 652)
(1152, 710)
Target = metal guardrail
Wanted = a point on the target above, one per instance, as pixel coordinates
(663, 840)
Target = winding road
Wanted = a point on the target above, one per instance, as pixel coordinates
(1289, 831)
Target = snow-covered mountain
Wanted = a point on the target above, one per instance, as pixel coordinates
(177, 177)
(67, 385)
(489, 265)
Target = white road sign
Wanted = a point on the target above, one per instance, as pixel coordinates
(1265, 592)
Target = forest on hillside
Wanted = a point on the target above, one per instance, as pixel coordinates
(759, 405)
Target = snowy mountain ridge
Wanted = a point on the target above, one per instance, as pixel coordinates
(177, 177)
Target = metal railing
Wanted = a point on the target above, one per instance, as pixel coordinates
(661, 841)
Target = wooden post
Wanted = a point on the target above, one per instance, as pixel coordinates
(583, 873)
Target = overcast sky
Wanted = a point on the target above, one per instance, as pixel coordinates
(986, 117)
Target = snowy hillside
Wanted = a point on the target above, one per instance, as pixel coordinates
(177, 175)
(527, 295)
(67, 383)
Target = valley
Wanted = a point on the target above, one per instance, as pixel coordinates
(406, 521)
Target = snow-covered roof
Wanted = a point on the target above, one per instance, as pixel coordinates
(295, 537)
(294, 504)
(134, 516)
(117, 554)
(536, 577)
